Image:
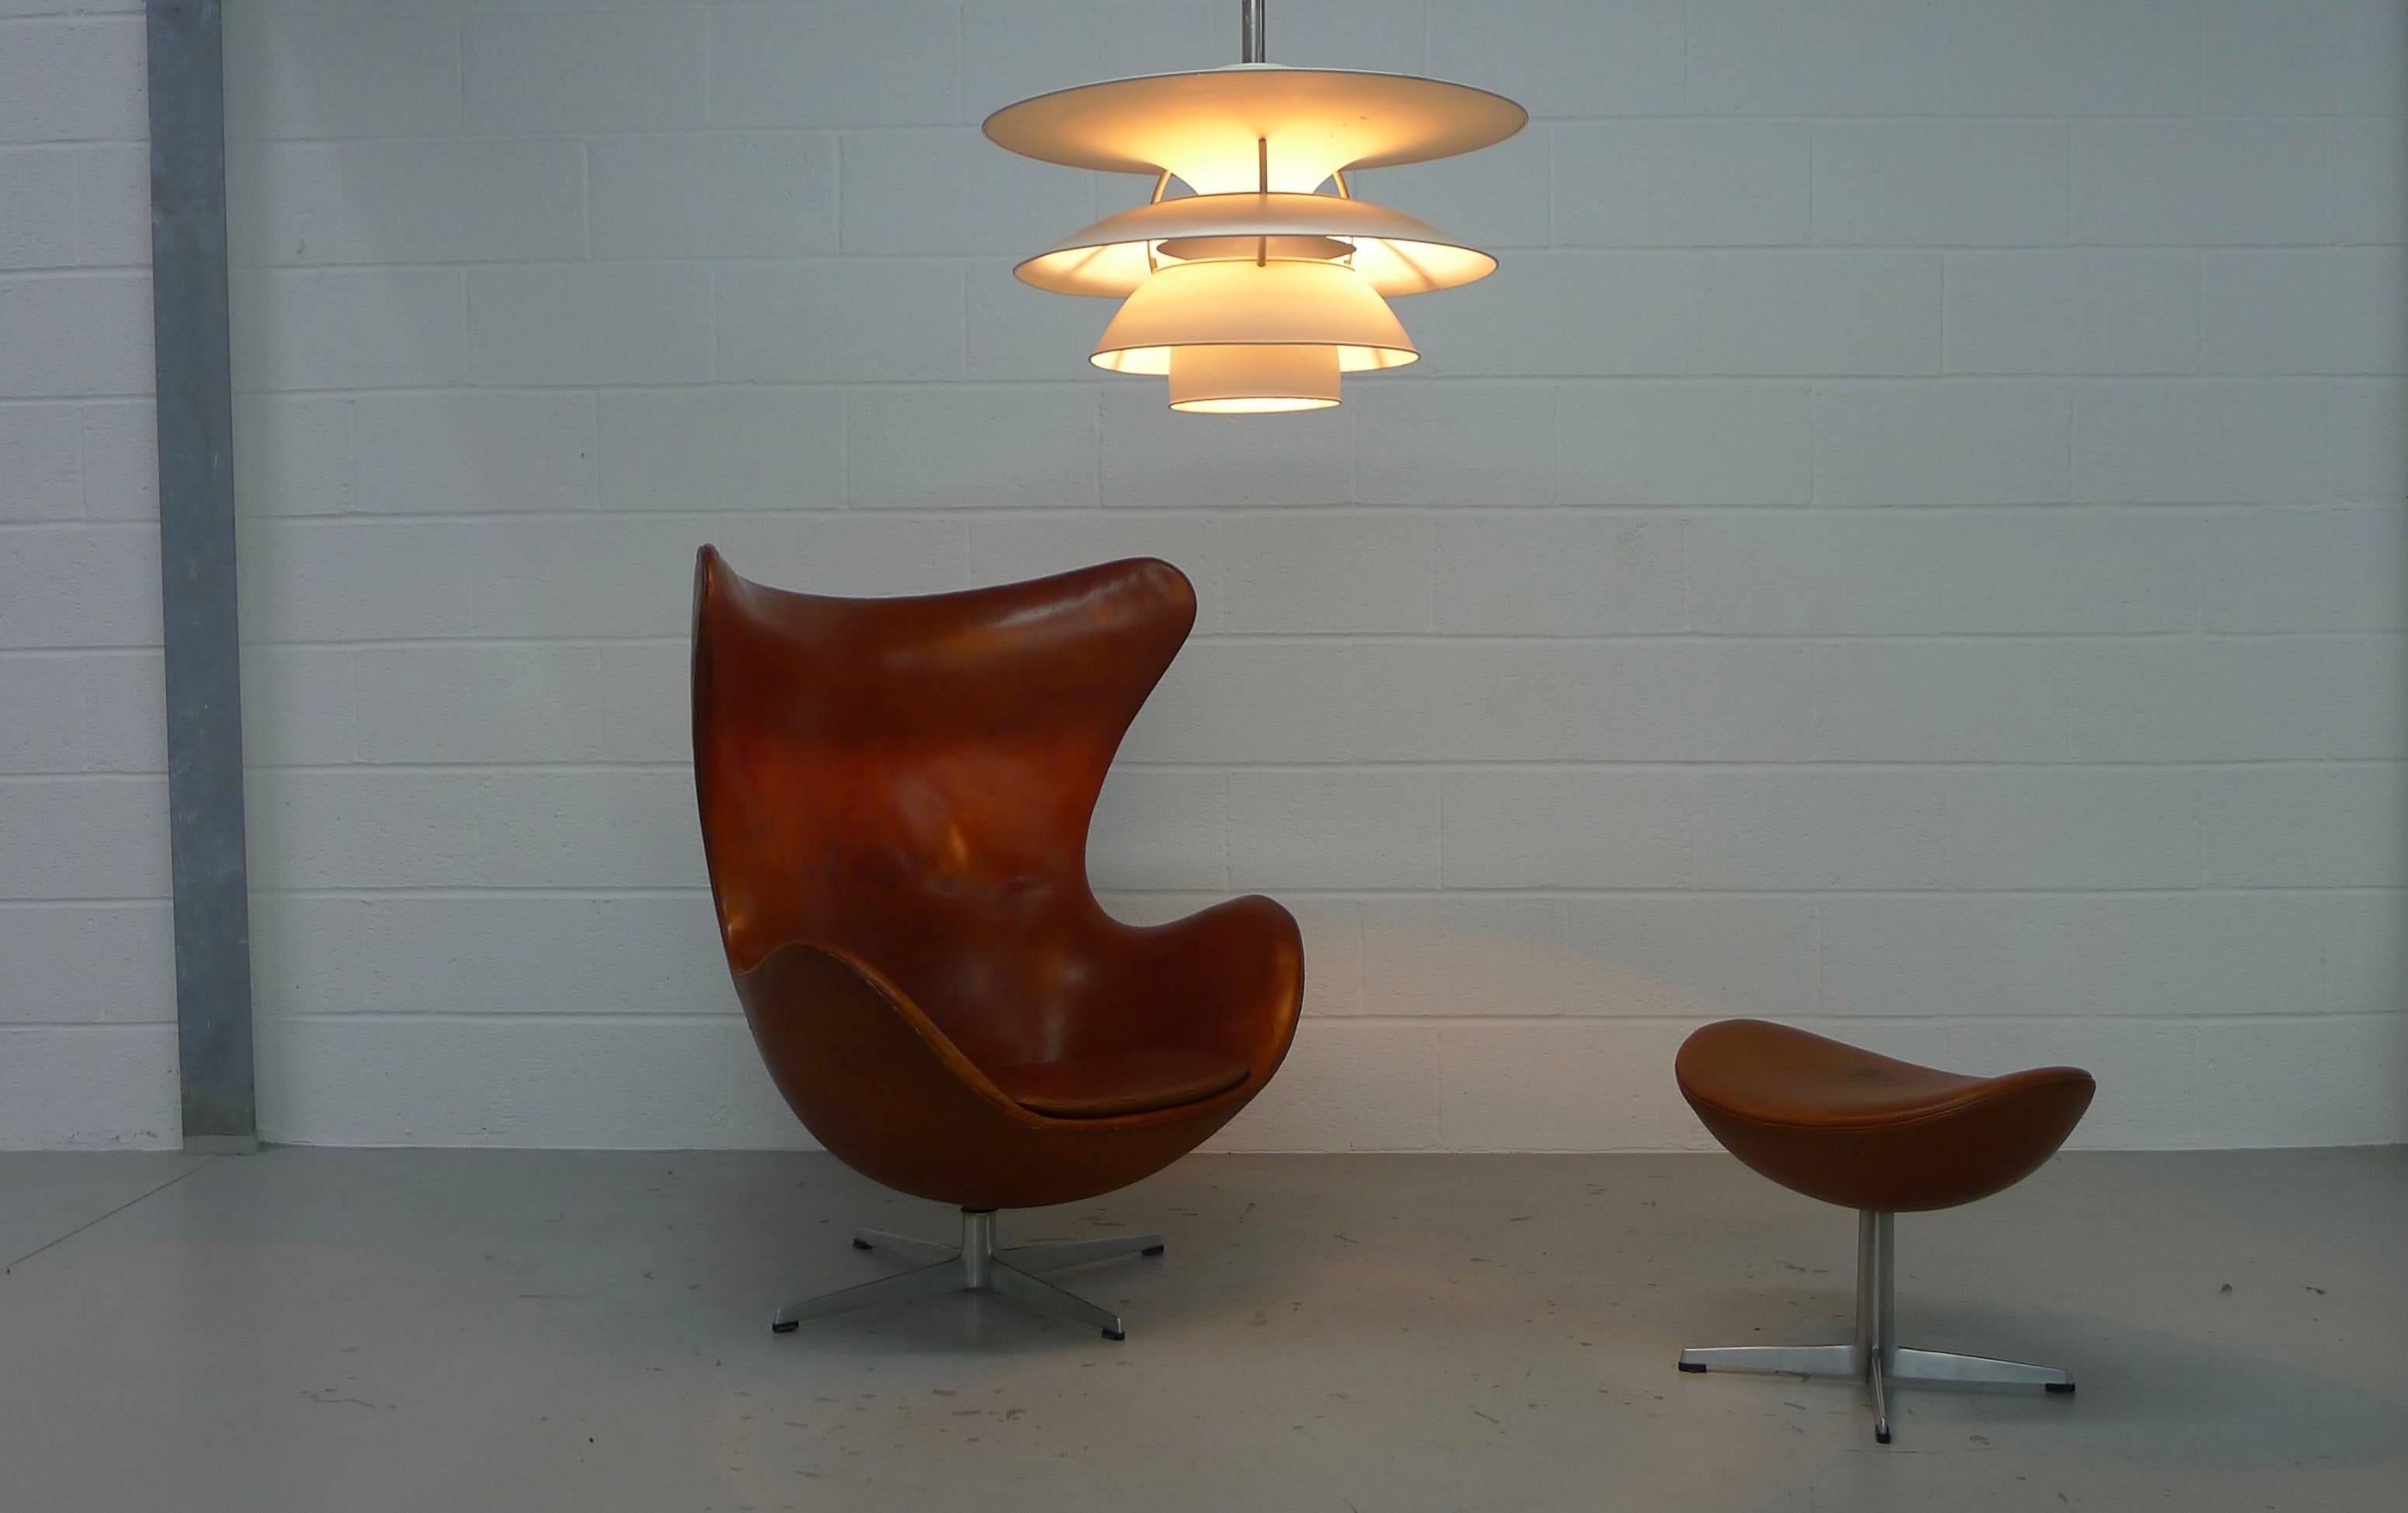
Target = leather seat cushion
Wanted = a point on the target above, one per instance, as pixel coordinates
(1109, 1084)
(1868, 1131)
(1774, 1074)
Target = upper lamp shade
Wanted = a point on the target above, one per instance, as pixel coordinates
(1256, 291)
(1204, 128)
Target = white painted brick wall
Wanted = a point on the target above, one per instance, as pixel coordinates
(1911, 541)
(87, 973)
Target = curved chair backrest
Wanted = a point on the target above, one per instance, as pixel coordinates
(908, 782)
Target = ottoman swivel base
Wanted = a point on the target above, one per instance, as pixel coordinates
(1875, 1356)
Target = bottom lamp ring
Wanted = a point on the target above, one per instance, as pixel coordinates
(1253, 381)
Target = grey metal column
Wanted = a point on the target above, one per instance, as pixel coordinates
(1879, 1230)
(196, 559)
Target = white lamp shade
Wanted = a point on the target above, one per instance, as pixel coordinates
(1238, 303)
(1256, 291)
(1395, 252)
(1227, 129)
(1253, 381)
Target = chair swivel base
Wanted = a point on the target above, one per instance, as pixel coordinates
(1875, 1356)
(976, 1266)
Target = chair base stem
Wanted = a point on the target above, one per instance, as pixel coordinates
(976, 1266)
(1875, 1356)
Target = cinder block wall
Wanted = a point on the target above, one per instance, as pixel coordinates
(1911, 541)
(87, 971)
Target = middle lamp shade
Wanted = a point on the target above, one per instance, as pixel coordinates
(1255, 291)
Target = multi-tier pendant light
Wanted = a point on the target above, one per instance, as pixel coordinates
(1255, 291)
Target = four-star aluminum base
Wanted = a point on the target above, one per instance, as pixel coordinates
(976, 1266)
(1875, 1356)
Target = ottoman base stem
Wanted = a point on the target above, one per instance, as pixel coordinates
(1875, 1358)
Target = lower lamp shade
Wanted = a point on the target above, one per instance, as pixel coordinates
(1253, 381)
(1239, 302)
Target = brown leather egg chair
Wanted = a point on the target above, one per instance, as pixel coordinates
(895, 798)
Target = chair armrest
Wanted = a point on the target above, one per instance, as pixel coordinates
(829, 1024)
(1230, 978)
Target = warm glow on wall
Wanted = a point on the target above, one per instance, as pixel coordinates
(1255, 291)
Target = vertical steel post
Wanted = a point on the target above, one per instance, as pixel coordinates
(978, 1247)
(1885, 1290)
(1868, 1286)
(197, 558)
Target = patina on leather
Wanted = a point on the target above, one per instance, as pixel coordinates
(895, 796)
(1867, 1131)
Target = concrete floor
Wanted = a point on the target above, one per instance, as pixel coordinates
(306, 1331)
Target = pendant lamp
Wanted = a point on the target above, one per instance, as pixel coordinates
(1253, 291)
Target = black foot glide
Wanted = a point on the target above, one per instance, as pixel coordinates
(2058, 1387)
(786, 1328)
(1151, 1250)
(1882, 1437)
(1691, 1366)
(860, 1244)
(1117, 1334)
